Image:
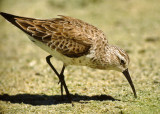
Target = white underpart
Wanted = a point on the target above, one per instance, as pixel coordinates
(83, 60)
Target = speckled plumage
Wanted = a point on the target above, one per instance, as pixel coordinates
(72, 38)
(78, 42)
(72, 41)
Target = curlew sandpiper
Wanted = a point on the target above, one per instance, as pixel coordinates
(74, 42)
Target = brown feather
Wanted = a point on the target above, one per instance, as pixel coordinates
(69, 36)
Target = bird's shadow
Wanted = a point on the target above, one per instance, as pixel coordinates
(35, 99)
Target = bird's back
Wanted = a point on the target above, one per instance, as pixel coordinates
(63, 36)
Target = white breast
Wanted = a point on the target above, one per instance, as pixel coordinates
(83, 60)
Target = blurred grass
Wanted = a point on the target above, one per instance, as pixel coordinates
(130, 24)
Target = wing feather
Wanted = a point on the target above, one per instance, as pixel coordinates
(71, 37)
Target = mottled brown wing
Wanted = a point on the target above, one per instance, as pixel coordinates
(69, 36)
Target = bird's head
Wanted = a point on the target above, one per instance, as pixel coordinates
(119, 60)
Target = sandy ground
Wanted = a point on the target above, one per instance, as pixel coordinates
(27, 84)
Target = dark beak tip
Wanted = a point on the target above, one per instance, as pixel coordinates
(127, 75)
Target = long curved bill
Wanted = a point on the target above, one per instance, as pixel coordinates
(127, 75)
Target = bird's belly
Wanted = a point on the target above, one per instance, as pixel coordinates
(83, 60)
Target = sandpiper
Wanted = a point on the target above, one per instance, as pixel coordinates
(74, 42)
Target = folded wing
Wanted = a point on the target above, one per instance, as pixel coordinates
(69, 36)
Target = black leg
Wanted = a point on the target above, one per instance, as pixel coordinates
(48, 61)
(63, 83)
(61, 78)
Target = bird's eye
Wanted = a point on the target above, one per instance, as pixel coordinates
(122, 62)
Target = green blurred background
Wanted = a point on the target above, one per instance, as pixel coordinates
(130, 24)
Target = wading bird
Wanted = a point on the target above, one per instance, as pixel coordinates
(73, 42)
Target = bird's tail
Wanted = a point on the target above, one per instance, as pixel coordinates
(9, 17)
(14, 20)
(30, 26)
